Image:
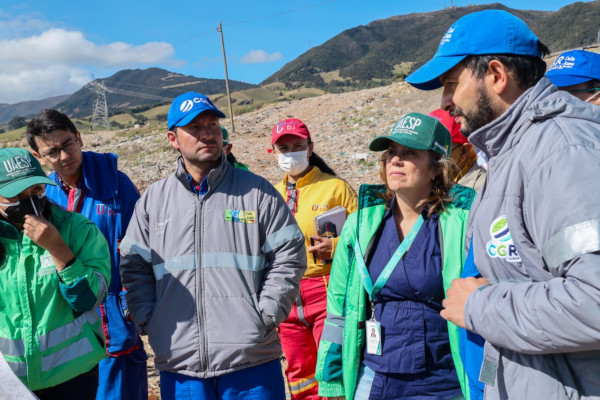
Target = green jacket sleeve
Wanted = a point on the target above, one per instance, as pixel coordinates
(83, 284)
(329, 359)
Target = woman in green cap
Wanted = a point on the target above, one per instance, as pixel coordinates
(54, 272)
(401, 250)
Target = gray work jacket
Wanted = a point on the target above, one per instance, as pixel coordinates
(209, 278)
(536, 235)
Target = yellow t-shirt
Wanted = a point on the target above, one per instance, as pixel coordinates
(318, 192)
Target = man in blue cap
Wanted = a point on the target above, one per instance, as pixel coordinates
(577, 72)
(534, 230)
(212, 261)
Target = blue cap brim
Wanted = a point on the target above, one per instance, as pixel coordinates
(188, 118)
(427, 77)
(567, 80)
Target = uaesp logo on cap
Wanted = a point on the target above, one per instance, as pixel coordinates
(407, 125)
(18, 166)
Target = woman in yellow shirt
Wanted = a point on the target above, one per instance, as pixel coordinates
(310, 188)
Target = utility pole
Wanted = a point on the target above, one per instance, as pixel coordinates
(220, 30)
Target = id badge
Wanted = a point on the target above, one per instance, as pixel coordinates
(373, 337)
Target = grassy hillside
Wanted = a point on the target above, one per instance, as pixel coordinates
(389, 49)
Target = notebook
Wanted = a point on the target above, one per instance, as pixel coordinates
(330, 223)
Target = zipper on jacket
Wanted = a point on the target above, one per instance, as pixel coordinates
(200, 289)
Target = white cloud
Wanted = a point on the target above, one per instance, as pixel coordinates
(260, 56)
(59, 61)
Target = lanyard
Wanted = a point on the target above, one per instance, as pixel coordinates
(371, 289)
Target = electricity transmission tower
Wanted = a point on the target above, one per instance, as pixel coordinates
(100, 117)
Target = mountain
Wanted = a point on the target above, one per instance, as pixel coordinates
(28, 108)
(133, 88)
(383, 50)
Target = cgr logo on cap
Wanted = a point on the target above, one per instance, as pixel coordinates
(189, 104)
(447, 36)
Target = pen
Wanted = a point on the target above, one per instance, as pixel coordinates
(312, 243)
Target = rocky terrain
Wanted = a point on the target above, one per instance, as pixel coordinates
(341, 126)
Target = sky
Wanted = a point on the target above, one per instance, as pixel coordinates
(55, 47)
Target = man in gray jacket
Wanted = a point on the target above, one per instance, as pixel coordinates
(535, 226)
(211, 261)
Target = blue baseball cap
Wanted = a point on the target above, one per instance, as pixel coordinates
(188, 106)
(479, 33)
(574, 67)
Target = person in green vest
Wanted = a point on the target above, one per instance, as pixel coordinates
(396, 257)
(227, 150)
(54, 272)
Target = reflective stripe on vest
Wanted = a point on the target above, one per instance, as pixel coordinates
(19, 368)
(68, 331)
(188, 262)
(71, 352)
(282, 236)
(572, 242)
(302, 385)
(12, 347)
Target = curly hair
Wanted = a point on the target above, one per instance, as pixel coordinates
(440, 185)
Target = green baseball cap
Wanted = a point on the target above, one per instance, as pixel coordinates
(19, 169)
(225, 135)
(417, 131)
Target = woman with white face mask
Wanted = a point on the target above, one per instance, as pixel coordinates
(310, 188)
(54, 272)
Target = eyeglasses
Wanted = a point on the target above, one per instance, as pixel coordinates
(69, 147)
(583, 90)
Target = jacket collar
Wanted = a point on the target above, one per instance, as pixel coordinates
(311, 177)
(99, 175)
(503, 133)
(215, 176)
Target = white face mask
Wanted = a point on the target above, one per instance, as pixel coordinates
(293, 163)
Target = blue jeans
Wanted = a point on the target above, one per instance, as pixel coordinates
(262, 382)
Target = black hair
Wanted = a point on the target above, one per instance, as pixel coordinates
(316, 161)
(48, 121)
(527, 70)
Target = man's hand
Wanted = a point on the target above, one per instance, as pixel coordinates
(456, 297)
(45, 235)
(322, 247)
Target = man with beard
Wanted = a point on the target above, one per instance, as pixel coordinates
(534, 232)
(212, 262)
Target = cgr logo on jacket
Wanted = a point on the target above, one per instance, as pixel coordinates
(501, 245)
